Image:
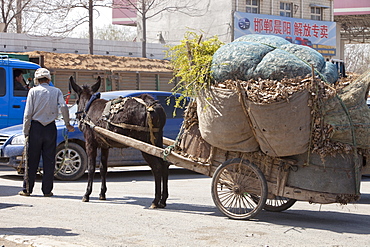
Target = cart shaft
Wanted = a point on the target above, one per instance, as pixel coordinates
(171, 157)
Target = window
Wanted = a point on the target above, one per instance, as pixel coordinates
(252, 6)
(23, 80)
(19, 86)
(170, 109)
(286, 9)
(316, 13)
(2, 82)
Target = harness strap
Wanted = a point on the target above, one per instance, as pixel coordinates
(114, 107)
(134, 127)
(149, 108)
(151, 129)
(93, 97)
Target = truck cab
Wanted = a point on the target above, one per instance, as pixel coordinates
(13, 91)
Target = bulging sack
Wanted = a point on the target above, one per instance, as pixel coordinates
(351, 122)
(223, 122)
(282, 128)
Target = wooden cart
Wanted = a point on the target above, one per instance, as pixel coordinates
(245, 183)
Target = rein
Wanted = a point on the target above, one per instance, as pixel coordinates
(87, 107)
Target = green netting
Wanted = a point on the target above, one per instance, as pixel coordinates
(349, 114)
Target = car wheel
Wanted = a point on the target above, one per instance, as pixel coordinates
(70, 163)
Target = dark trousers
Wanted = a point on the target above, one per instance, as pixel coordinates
(41, 142)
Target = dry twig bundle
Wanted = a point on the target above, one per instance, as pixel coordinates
(190, 115)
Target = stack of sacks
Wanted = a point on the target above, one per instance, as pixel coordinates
(277, 128)
(268, 57)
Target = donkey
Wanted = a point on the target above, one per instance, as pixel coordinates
(139, 113)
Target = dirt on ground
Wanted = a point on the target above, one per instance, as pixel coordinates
(73, 61)
(7, 243)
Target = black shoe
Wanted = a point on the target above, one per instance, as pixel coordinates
(49, 195)
(23, 193)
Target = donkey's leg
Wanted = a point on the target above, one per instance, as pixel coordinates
(165, 170)
(103, 172)
(156, 170)
(91, 165)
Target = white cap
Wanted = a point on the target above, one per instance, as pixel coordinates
(41, 73)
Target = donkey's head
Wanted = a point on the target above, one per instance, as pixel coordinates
(84, 93)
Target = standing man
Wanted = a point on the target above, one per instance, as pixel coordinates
(40, 130)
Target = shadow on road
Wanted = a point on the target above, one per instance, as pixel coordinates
(145, 202)
(6, 190)
(11, 205)
(36, 231)
(297, 220)
(338, 222)
(119, 174)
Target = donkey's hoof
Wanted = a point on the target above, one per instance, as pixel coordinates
(153, 206)
(161, 205)
(85, 199)
(102, 197)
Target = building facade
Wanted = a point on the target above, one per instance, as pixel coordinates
(217, 17)
(353, 17)
(303, 22)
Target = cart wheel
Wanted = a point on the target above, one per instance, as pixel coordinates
(235, 185)
(279, 204)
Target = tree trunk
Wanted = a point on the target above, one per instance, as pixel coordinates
(91, 26)
(143, 21)
(18, 18)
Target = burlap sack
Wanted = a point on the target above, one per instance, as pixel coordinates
(282, 128)
(194, 145)
(223, 122)
(354, 98)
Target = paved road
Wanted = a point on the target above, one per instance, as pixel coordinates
(190, 219)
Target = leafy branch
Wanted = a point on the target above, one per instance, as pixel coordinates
(191, 61)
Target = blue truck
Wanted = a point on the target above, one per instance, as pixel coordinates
(12, 105)
(13, 99)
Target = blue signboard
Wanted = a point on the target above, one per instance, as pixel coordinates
(319, 35)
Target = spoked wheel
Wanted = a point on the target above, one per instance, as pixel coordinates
(235, 185)
(279, 204)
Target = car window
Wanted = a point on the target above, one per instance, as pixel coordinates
(72, 111)
(170, 109)
(23, 83)
(2, 82)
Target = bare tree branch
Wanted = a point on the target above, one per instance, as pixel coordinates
(356, 57)
(45, 17)
(147, 9)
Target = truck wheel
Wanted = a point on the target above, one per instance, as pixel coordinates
(75, 162)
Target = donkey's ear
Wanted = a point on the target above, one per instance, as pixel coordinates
(75, 87)
(96, 86)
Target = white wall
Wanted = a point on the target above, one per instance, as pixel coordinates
(15, 42)
(213, 17)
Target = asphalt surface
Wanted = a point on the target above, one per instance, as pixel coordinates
(190, 218)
